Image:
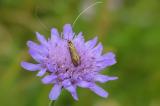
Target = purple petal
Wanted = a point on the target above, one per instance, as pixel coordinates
(106, 60)
(41, 39)
(54, 34)
(49, 79)
(99, 91)
(55, 92)
(109, 62)
(72, 90)
(35, 55)
(51, 67)
(103, 78)
(109, 55)
(106, 63)
(91, 43)
(42, 72)
(30, 66)
(79, 42)
(97, 50)
(33, 45)
(84, 84)
(67, 31)
(66, 83)
(37, 48)
(79, 38)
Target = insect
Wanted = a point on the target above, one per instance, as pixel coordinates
(73, 52)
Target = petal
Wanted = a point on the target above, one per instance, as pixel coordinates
(30, 66)
(67, 31)
(104, 64)
(54, 34)
(79, 37)
(97, 50)
(51, 67)
(96, 89)
(72, 90)
(91, 43)
(55, 92)
(99, 91)
(37, 48)
(106, 60)
(84, 84)
(35, 55)
(49, 79)
(108, 55)
(42, 39)
(41, 72)
(109, 62)
(103, 78)
(33, 45)
(79, 41)
(66, 82)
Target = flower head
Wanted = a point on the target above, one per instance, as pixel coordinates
(68, 62)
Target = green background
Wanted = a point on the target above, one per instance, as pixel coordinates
(130, 28)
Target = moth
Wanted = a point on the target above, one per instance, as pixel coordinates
(74, 55)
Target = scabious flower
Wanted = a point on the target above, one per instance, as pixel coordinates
(55, 62)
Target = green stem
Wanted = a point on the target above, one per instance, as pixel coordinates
(52, 103)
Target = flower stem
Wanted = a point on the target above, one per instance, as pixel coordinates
(52, 103)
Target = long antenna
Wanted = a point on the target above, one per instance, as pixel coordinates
(85, 11)
(39, 20)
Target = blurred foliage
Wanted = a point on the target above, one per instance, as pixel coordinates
(130, 28)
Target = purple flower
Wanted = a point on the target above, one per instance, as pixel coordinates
(67, 61)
